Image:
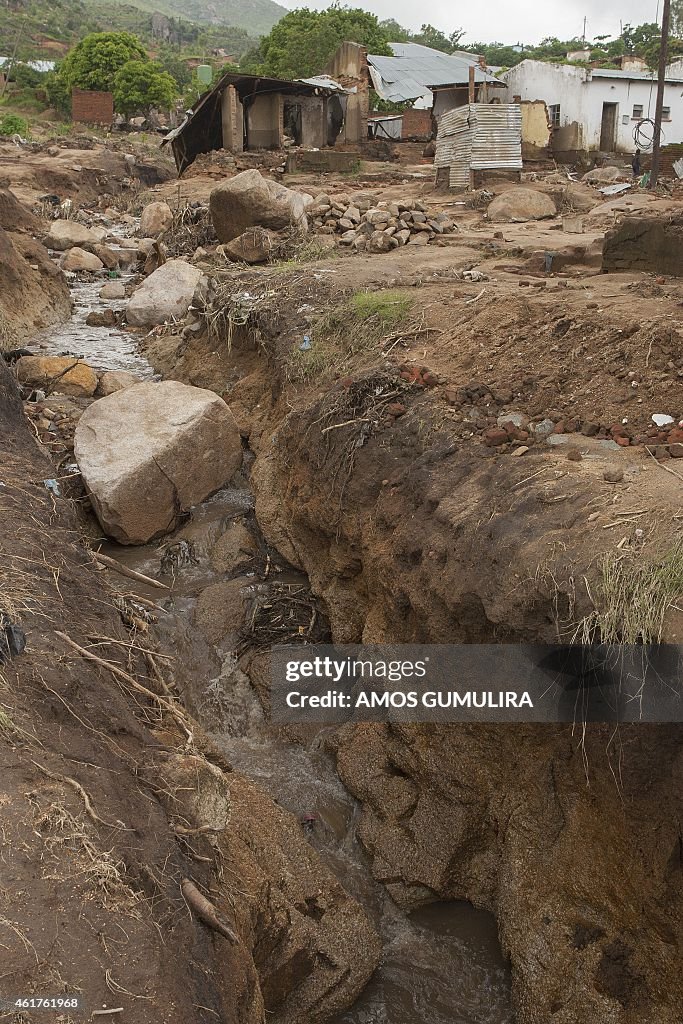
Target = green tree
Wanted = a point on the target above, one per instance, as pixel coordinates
(58, 95)
(94, 62)
(303, 42)
(141, 85)
(435, 38)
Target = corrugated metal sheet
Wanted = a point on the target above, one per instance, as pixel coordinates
(415, 69)
(479, 136)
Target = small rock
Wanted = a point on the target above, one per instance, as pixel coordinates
(101, 318)
(155, 220)
(676, 451)
(613, 474)
(78, 260)
(662, 420)
(574, 455)
(495, 436)
(112, 290)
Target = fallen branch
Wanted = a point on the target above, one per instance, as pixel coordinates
(133, 683)
(111, 563)
(661, 465)
(205, 910)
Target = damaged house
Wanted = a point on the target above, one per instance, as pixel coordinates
(433, 81)
(597, 109)
(244, 112)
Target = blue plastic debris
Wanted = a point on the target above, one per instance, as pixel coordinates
(306, 344)
(53, 487)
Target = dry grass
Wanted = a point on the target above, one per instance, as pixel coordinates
(296, 247)
(104, 876)
(190, 228)
(632, 598)
(361, 324)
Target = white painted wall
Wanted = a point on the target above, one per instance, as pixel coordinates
(581, 95)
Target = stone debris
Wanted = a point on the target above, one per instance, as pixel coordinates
(368, 224)
(249, 200)
(79, 261)
(164, 295)
(64, 375)
(155, 220)
(180, 444)
(519, 205)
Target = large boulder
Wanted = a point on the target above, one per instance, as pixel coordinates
(64, 234)
(64, 375)
(78, 260)
(253, 246)
(603, 175)
(520, 204)
(149, 452)
(155, 220)
(250, 200)
(166, 293)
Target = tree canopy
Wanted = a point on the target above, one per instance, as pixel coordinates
(94, 62)
(303, 41)
(140, 85)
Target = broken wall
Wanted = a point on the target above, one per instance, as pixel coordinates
(232, 120)
(349, 67)
(264, 121)
(535, 130)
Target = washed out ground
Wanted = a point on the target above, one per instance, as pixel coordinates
(382, 481)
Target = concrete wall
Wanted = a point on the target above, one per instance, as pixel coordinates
(264, 121)
(313, 121)
(581, 95)
(92, 107)
(232, 120)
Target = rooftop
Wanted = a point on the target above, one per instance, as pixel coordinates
(415, 69)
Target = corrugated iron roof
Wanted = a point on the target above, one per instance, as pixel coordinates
(414, 69)
(637, 76)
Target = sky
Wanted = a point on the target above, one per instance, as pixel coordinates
(508, 21)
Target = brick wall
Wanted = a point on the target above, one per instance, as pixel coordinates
(417, 124)
(92, 107)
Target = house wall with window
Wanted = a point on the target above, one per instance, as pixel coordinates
(589, 106)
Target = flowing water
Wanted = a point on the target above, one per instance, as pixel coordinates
(441, 964)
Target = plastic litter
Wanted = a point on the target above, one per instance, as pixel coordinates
(306, 344)
(53, 487)
(662, 420)
(12, 638)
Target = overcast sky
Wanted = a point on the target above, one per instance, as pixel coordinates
(509, 21)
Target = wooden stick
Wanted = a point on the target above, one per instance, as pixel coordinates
(111, 563)
(205, 910)
(133, 683)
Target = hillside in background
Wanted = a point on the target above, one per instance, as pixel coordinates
(256, 17)
(49, 28)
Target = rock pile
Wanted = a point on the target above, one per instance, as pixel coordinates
(367, 224)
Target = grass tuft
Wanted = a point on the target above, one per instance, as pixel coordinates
(358, 325)
(633, 598)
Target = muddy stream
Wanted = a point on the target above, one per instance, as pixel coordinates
(441, 964)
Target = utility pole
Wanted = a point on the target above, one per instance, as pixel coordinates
(10, 64)
(584, 28)
(661, 80)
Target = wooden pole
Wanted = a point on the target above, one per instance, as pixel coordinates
(661, 80)
(470, 95)
(10, 64)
